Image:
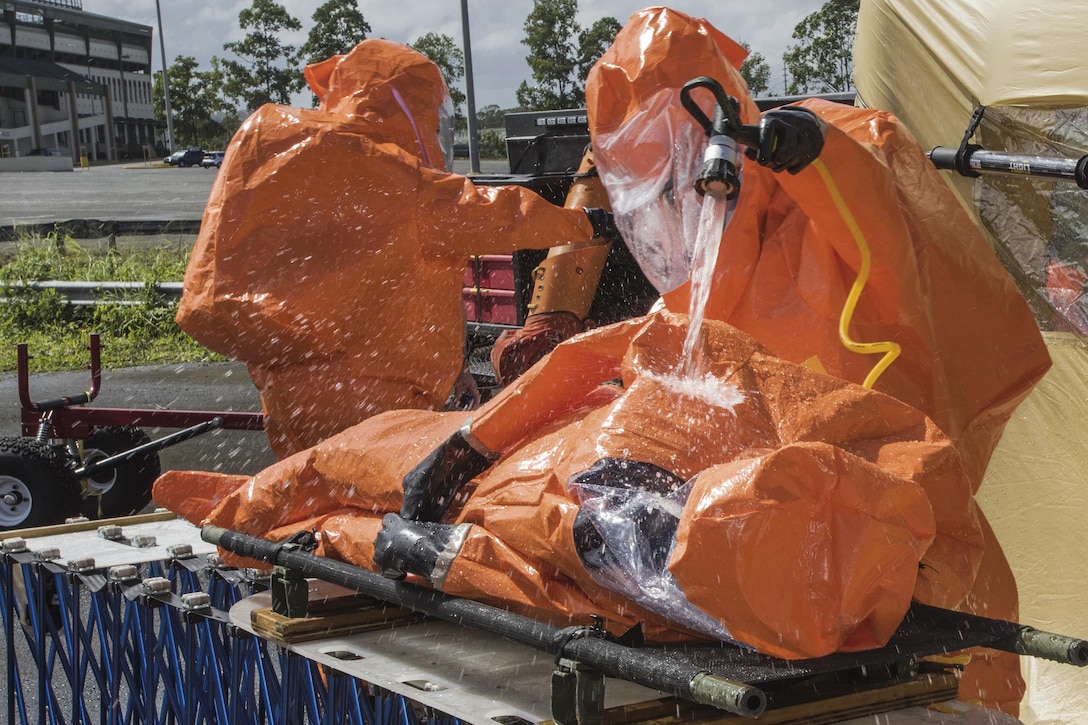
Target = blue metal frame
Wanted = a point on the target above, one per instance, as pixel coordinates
(102, 648)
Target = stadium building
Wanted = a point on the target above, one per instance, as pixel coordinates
(73, 83)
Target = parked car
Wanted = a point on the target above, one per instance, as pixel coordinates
(212, 158)
(188, 157)
(49, 151)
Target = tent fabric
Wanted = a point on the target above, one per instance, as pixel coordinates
(1035, 498)
(331, 254)
(935, 58)
(932, 63)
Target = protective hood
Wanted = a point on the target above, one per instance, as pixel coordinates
(396, 89)
(634, 105)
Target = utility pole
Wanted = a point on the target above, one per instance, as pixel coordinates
(470, 93)
(165, 85)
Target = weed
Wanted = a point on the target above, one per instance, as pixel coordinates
(135, 330)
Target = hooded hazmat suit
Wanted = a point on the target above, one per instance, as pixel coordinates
(333, 246)
(791, 509)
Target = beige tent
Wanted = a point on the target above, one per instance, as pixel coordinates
(931, 63)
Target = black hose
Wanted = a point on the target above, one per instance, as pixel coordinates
(611, 658)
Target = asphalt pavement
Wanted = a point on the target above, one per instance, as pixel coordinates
(117, 192)
(161, 199)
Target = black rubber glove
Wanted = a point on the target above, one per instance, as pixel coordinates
(411, 547)
(789, 138)
(429, 488)
(604, 224)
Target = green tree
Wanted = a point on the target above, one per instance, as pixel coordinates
(451, 61)
(822, 61)
(194, 103)
(492, 144)
(265, 71)
(491, 116)
(226, 112)
(560, 54)
(592, 44)
(756, 72)
(338, 27)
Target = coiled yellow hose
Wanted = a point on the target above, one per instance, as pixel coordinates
(890, 349)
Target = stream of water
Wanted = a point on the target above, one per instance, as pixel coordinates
(707, 242)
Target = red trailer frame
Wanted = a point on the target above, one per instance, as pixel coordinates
(68, 419)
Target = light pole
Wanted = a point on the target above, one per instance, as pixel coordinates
(165, 85)
(94, 102)
(470, 93)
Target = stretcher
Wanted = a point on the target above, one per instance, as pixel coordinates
(129, 591)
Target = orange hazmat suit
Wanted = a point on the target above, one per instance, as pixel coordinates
(333, 246)
(971, 350)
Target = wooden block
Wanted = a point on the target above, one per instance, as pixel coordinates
(926, 689)
(335, 617)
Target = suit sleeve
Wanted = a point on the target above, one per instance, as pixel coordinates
(565, 381)
(458, 218)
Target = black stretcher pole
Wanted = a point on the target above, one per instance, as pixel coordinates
(610, 658)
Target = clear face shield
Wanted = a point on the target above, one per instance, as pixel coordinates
(425, 141)
(649, 165)
(445, 130)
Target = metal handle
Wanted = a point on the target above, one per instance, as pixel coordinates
(23, 371)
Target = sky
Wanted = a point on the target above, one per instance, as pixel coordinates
(199, 28)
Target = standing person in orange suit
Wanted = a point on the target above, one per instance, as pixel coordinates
(334, 243)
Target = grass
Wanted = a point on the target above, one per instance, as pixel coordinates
(56, 333)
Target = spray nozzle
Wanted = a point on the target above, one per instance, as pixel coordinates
(719, 172)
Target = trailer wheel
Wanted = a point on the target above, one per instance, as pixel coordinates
(36, 487)
(126, 488)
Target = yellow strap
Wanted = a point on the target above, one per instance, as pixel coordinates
(890, 349)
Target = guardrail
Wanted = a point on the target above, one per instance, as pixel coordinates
(93, 293)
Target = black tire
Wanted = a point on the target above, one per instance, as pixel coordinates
(125, 489)
(36, 487)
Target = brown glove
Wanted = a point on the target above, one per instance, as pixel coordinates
(518, 350)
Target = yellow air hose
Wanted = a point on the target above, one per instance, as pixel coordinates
(890, 349)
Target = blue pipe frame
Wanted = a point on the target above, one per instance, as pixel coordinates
(102, 647)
